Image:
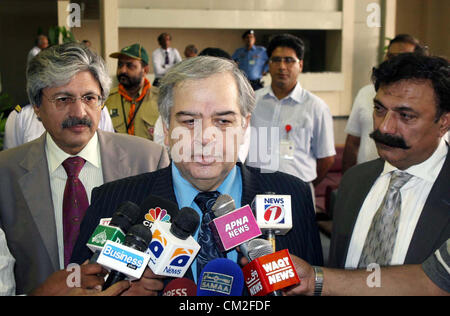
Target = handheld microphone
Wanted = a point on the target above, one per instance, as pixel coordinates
(273, 214)
(173, 248)
(127, 260)
(221, 277)
(180, 287)
(268, 272)
(232, 227)
(126, 215)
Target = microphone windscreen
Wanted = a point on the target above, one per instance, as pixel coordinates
(180, 287)
(223, 205)
(221, 277)
(138, 237)
(258, 247)
(155, 208)
(185, 223)
(126, 215)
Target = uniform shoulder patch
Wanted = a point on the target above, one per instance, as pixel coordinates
(18, 108)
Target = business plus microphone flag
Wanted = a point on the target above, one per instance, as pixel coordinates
(220, 277)
(232, 227)
(270, 273)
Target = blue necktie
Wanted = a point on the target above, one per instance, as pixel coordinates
(208, 250)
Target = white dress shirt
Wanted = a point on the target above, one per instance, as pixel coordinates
(7, 281)
(311, 134)
(414, 195)
(158, 58)
(91, 175)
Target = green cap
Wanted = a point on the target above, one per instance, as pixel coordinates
(136, 51)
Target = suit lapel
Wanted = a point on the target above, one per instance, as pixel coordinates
(433, 220)
(35, 186)
(113, 157)
(250, 185)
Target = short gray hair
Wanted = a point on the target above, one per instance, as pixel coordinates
(56, 65)
(202, 67)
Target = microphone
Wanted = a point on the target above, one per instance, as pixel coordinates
(268, 272)
(232, 227)
(273, 214)
(156, 208)
(180, 287)
(221, 277)
(173, 248)
(127, 259)
(126, 215)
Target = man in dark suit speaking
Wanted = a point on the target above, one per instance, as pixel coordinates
(206, 104)
(396, 210)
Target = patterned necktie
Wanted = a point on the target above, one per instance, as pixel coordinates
(379, 245)
(208, 250)
(166, 59)
(75, 203)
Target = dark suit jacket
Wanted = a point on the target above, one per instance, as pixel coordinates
(433, 227)
(26, 208)
(303, 240)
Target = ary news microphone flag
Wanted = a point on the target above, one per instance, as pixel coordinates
(273, 214)
(173, 248)
(232, 227)
(127, 260)
(180, 287)
(268, 273)
(126, 215)
(221, 277)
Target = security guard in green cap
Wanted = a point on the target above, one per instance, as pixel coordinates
(133, 104)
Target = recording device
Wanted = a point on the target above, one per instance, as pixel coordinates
(232, 227)
(268, 272)
(180, 287)
(221, 277)
(127, 260)
(273, 214)
(173, 248)
(126, 215)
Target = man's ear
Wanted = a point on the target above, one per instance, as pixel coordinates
(444, 123)
(37, 111)
(166, 133)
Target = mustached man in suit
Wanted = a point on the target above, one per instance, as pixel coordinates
(396, 210)
(46, 184)
(201, 100)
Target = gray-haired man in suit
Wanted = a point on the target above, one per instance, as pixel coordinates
(67, 85)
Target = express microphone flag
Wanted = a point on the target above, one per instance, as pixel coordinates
(127, 260)
(126, 215)
(268, 272)
(173, 248)
(273, 214)
(221, 277)
(180, 287)
(232, 227)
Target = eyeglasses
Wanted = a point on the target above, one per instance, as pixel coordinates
(62, 102)
(287, 60)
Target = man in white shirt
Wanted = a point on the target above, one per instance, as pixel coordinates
(47, 183)
(164, 57)
(299, 125)
(41, 43)
(411, 118)
(359, 147)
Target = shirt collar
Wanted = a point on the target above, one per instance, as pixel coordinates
(427, 170)
(296, 94)
(186, 193)
(56, 156)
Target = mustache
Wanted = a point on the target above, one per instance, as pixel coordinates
(389, 140)
(74, 121)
